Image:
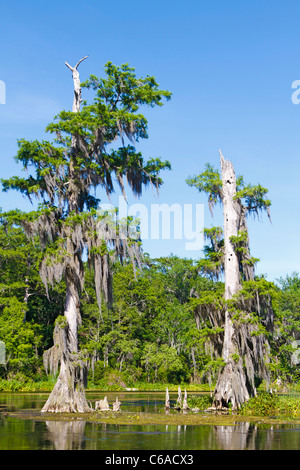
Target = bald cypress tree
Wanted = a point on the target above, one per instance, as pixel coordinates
(248, 311)
(94, 148)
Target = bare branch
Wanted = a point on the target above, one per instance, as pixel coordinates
(81, 60)
(69, 66)
(76, 66)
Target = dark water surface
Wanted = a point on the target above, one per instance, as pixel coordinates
(31, 434)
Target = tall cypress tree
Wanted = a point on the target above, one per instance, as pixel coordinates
(64, 174)
(246, 310)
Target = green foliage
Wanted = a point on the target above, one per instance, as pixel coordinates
(21, 338)
(264, 404)
(165, 324)
(201, 402)
(26, 314)
(254, 198)
(268, 404)
(21, 382)
(112, 116)
(163, 364)
(61, 321)
(209, 182)
(287, 328)
(213, 262)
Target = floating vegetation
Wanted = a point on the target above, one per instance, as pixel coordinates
(172, 418)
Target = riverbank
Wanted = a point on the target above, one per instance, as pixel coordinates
(47, 386)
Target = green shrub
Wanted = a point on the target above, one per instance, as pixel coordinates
(289, 406)
(201, 402)
(264, 404)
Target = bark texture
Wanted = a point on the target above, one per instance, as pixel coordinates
(68, 394)
(117, 405)
(167, 401)
(102, 405)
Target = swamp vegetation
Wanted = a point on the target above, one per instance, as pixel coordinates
(131, 345)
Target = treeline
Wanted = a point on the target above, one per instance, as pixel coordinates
(165, 323)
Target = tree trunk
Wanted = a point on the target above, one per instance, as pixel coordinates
(232, 385)
(68, 394)
(77, 87)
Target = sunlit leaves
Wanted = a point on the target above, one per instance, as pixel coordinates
(254, 199)
(209, 182)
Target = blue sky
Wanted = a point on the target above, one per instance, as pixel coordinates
(230, 66)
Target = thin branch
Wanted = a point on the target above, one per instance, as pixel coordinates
(69, 66)
(80, 61)
(76, 66)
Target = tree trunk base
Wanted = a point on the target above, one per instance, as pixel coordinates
(232, 387)
(66, 397)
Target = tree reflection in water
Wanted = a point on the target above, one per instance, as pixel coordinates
(70, 435)
(244, 436)
(66, 435)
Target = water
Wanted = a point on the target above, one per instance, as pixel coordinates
(25, 434)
